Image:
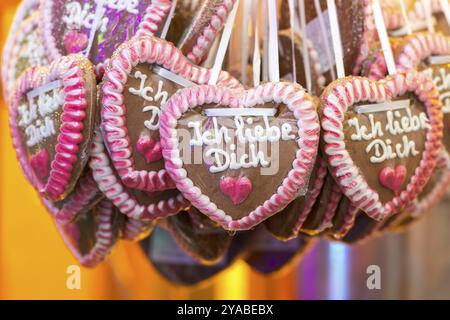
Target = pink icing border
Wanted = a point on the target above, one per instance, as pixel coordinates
(86, 191)
(343, 94)
(207, 36)
(321, 173)
(154, 15)
(104, 234)
(68, 70)
(109, 183)
(419, 208)
(336, 196)
(419, 47)
(24, 10)
(139, 50)
(295, 98)
(135, 230)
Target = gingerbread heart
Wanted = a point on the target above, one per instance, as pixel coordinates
(210, 133)
(286, 224)
(268, 255)
(68, 26)
(143, 74)
(51, 119)
(24, 50)
(198, 236)
(369, 126)
(135, 204)
(25, 10)
(178, 267)
(92, 235)
(84, 197)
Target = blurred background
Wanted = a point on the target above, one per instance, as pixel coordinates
(34, 260)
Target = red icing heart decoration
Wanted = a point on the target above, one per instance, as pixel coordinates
(40, 165)
(149, 148)
(237, 189)
(393, 179)
(52, 120)
(75, 41)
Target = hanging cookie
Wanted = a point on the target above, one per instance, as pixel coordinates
(198, 236)
(381, 139)
(143, 74)
(286, 224)
(25, 10)
(220, 145)
(92, 235)
(270, 256)
(178, 267)
(51, 120)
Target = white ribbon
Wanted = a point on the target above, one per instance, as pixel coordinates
(405, 17)
(323, 33)
(256, 54)
(306, 60)
(292, 25)
(426, 4)
(245, 112)
(446, 9)
(166, 74)
(384, 39)
(384, 106)
(168, 20)
(43, 89)
(274, 69)
(336, 36)
(223, 46)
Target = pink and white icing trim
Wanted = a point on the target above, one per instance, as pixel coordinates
(105, 233)
(135, 230)
(109, 183)
(333, 203)
(209, 33)
(69, 71)
(155, 14)
(25, 9)
(425, 205)
(296, 100)
(82, 196)
(149, 50)
(347, 92)
(314, 193)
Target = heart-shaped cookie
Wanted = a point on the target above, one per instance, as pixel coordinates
(24, 50)
(268, 135)
(267, 255)
(136, 204)
(286, 224)
(85, 196)
(143, 74)
(119, 21)
(136, 230)
(178, 267)
(198, 236)
(25, 10)
(369, 126)
(51, 120)
(66, 26)
(92, 235)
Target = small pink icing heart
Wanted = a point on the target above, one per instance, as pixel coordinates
(393, 179)
(237, 189)
(149, 148)
(40, 165)
(75, 41)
